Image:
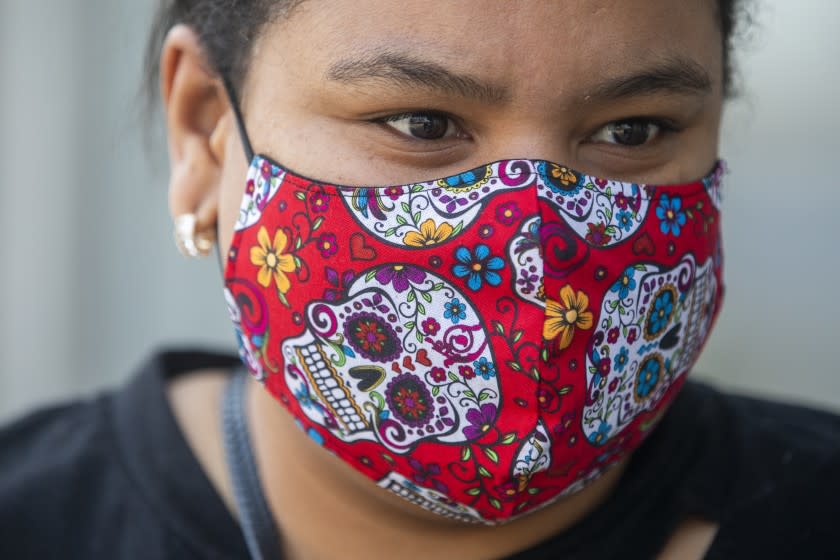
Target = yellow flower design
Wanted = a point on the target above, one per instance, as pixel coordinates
(564, 175)
(272, 261)
(562, 317)
(429, 234)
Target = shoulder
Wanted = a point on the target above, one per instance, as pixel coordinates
(781, 485)
(57, 474)
(112, 477)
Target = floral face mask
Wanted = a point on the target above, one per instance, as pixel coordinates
(482, 344)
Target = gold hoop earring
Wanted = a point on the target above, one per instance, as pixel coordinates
(189, 243)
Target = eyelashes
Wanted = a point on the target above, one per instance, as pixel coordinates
(432, 126)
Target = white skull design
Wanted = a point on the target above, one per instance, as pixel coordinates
(402, 359)
(653, 323)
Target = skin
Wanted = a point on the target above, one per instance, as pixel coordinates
(533, 79)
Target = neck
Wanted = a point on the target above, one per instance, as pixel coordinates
(326, 509)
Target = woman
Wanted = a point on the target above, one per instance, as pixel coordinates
(421, 291)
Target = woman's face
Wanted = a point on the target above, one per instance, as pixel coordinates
(393, 91)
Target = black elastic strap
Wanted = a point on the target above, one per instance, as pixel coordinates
(240, 122)
(257, 523)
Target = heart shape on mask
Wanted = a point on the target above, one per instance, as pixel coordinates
(359, 249)
(643, 245)
(369, 376)
(422, 358)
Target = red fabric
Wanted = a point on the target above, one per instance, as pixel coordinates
(480, 344)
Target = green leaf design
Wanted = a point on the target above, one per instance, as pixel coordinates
(514, 366)
(318, 223)
(495, 503)
(377, 399)
(300, 195)
(401, 220)
(517, 335)
(469, 394)
(426, 296)
(369, 276)
(497, 326)
(421, 309)
(405, 207)
(411, 296)
(492, 455)
(484, 472)
(533, 491)
(435, 390)
(509, 438)
(416, 217)
(473, 491)
(466, 453)
(457, 229)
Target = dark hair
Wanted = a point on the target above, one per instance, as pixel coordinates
(227, 30)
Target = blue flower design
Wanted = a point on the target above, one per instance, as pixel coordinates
(621, 359)
(465, 179)
(600, 436)
(461, 179)
(315, 436)
(625, 283)
(477, 266)
(484, 368)
(303, 398)
(672, 218)
(648, 377)
(625, 220)
(663, 308)
(455, 311)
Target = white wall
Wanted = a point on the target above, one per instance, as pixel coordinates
(90, 281)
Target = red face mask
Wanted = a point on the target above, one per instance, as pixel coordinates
(482, 344)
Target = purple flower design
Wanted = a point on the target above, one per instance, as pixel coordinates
(424, 474)
(400, 276)
(480, 419)
(328, 245)
(508, 213)
(319, 201)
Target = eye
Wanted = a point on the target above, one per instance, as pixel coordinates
(632, 132)
(422, 125)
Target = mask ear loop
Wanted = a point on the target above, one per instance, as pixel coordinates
(249, 153)
(240, 122)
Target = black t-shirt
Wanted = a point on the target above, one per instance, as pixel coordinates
(114, 478)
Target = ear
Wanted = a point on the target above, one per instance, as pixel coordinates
(198, 123)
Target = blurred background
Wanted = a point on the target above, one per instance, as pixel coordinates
(91, 282)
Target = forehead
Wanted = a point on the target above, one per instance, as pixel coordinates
(531, 47)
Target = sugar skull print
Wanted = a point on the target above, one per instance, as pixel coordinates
(480, 344)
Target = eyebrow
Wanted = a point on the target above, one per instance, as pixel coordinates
(674, 75)
(408, 71)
